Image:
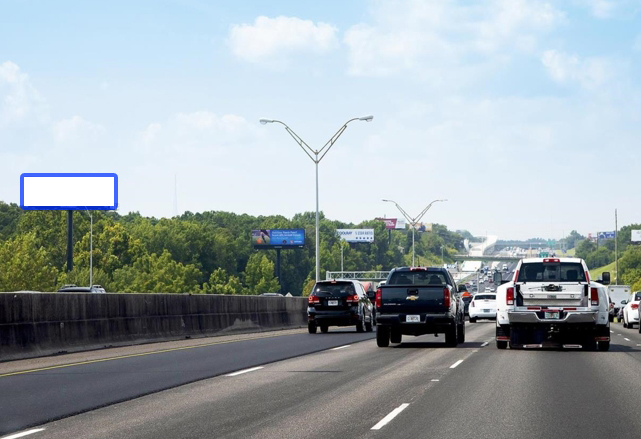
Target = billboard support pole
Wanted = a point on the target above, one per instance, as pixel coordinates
(69, 240)
(280, 287)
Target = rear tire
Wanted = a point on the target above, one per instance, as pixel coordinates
(451, 338)
(501, 344)
(360, 326)
(311, 327)
(369, 326)
(461, 333)
(396, 336)
(611, 318)
(604, 345)
(324, 329)
(382, 336)
(472, 319)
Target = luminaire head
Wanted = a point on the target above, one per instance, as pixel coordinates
(367, 118)
(265, 121)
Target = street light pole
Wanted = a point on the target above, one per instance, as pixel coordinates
(316, 155)
(413, 221)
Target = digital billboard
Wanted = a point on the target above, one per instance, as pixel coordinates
(278, 238)
(393, 223)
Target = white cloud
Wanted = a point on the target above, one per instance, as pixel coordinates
(20, 100)
(76, 129)
(436, 35)
(590, 73)
(197, 132)
(604, 9)
(273, 40)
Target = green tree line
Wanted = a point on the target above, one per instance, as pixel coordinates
(208, 252)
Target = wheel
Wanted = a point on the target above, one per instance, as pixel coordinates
(611, 318)
(625, 325)
(639, 328)
(369, 327)
(324, 329)
(382, 336)
(501, 344)
(605, 345)
(461, 333)
(360, 325)
(590, 345)
(472, 319)
(451, 338)
(396, 336)
(311, 327)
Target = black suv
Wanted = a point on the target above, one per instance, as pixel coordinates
(339, 303)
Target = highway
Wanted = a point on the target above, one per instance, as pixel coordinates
(417, 389)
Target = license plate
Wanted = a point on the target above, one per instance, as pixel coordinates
(332, 303)
(413, 319)
(552, 315)
(486, 311)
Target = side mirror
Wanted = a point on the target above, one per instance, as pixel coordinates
(624, 302)
(497, 277)
(605, 278)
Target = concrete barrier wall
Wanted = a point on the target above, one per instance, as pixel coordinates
(36, 324)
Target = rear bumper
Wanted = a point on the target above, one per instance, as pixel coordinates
(479, 314)
(333, 318)
(429, 323)
(566, 317)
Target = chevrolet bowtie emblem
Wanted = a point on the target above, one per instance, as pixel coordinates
(411, 297)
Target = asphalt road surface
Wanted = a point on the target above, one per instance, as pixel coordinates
(414, 390)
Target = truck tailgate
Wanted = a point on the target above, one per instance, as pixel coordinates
(413, 299)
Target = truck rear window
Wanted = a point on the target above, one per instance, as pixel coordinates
(551, 272)
(418, 278)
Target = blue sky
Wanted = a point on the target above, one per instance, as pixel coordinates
(522, 113)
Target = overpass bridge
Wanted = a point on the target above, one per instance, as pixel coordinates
(487, 258)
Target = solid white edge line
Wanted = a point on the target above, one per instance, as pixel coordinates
(394, 413)
(626, 339)
(435, 381)
(453, 366)
(484, 344)
(240, 372)
(340, 347)
(23, 434)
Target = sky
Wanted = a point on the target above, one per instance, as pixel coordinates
(525, 115)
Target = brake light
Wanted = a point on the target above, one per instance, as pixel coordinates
(550, 260)
(418, 268)
(472, 304)
(446, 297)
(352, 298)
(594, 296)
(313, 300)
(379, 298)
(509, 296)
(634, 306)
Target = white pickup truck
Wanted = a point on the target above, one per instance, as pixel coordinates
(552, 302)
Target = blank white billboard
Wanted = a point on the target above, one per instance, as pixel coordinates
(69, 191)
(636, 235)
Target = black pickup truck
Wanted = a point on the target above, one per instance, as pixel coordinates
(417, 301)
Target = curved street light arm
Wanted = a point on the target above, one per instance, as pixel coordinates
(418, 218)
(333, 139)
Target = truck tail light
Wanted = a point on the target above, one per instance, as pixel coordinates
(594, 296)
(352, 298)
(313, 300)
(509, 296)
(446, 297)
(379, 298)
(634, 306)
(551, 260)
(472, 304)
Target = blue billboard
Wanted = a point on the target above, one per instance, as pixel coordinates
(278, 238)
(606, 235)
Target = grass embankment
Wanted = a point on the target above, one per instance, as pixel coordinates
(595, 273)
